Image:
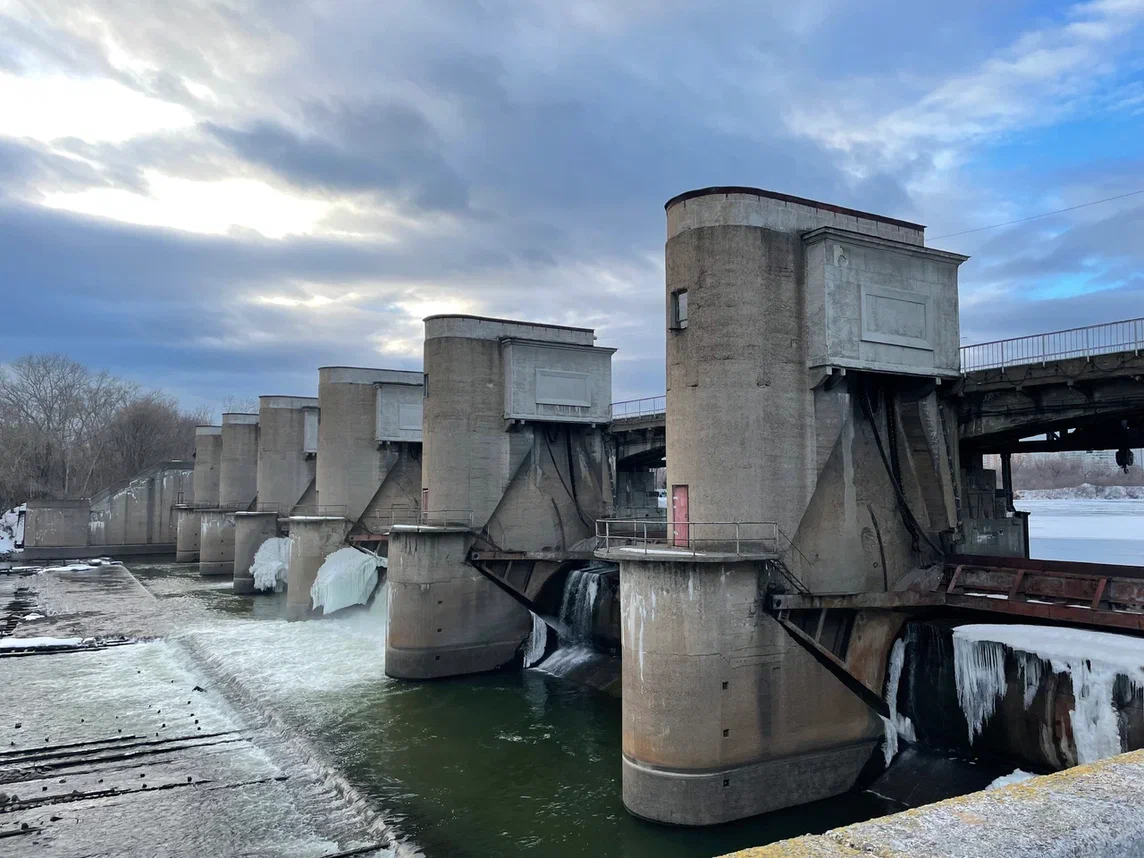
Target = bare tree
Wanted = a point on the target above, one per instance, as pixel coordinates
(68, 432)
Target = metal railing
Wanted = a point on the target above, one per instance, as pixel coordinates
(446, 518)
(381, 520)
(1089, 341)
(689, 538)
(646, 407)
(319, 511)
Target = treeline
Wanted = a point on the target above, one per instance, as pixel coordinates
(1054, 471)
(68, 432)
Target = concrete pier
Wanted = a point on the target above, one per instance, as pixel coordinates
(514, 459)
(312, 540)
(238, 474)
(216, 543)
(188, 524)
(285, 467)
(355, 462)
(251, 529)
(790, 364)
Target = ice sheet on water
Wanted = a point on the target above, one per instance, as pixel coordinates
(271, 562)
(1092, 660)
(537, 641)
(347, 577)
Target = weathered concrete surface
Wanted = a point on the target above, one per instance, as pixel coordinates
(146, 752)
(238, 475)
(208, 465)
(312, 540)
(216, 542)
(251, 529)
(56, 523)
(531, 482)
(352, 466)
(746, 704)
(285, 471)
(1092, 810)
(445, 618)
(188, 529)
(141, 511)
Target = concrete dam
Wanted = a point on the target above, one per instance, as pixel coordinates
(832, 573)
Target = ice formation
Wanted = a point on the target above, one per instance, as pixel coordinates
(1014, 777)
(537, 641)
(38, 643)
(1092, 660)
(11, 530)
(271, 561)
(897, 725)
(347, 577)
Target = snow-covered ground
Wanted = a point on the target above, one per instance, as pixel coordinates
(11, 531)
(1083, 492)
(1094, 531)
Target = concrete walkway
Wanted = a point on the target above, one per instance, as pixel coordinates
(132, 749)
(1093, 811)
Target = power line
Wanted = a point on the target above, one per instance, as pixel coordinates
(1042, 214)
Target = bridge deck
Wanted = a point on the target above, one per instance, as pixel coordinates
(1088, 594)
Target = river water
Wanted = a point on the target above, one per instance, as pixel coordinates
(517, 763)
(1093, 531)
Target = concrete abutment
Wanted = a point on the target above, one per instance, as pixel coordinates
(312, 540)
(251, 529)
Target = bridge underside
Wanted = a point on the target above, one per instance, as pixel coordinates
(1079, 404)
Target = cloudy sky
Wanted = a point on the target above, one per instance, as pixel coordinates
(218, 197)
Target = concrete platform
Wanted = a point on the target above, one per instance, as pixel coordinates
(1092, 810)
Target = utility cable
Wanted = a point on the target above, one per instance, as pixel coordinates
(1042, 214)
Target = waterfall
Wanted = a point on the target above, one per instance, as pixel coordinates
(577, 616)
(578, 604)
(537, 641)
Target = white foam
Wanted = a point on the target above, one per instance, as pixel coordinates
(347, 577)
(271, 562)
(1092, 660)
(537, 641)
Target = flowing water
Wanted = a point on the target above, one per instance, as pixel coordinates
(515, 763)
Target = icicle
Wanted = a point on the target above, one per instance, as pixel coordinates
(896, 725)
(979, 671)
(1092, 660)
(537, 641)
(271, 562)
(347, 577)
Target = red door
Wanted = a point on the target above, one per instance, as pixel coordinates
(680, 530)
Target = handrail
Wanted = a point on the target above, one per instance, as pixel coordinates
(648, 406)
(446, 518)
(1089, 341)
(689, 538)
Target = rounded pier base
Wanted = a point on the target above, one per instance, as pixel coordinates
(216, 543)
(251, 529)
(445, 617)
(188, 523)
(724, 716)
(312, 540)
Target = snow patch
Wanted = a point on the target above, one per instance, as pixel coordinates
(11, 530)
(1084, 491)
(271, 562)
(38, 643)
(1092, 660)
(347, 577)
(1014, 777)
(537, 641)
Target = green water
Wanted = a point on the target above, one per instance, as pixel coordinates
(521, 764)
(516, 763)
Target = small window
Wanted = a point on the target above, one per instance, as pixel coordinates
(425, 386)
(679, 310)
